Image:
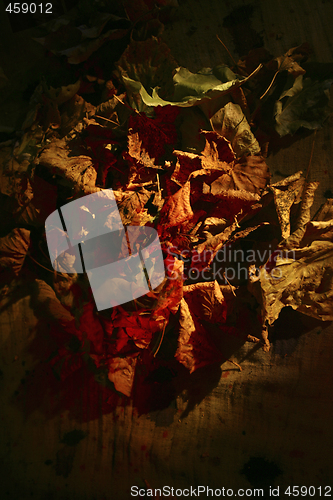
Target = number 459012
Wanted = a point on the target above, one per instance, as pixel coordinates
(311, 491)
(32, 8)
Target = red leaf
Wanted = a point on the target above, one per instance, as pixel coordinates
(177, 209)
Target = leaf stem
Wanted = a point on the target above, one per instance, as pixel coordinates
(226, 48)
(161, 339)
(269, 87)
(107, 119)
(311, 154)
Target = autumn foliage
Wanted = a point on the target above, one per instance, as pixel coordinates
(182, 158)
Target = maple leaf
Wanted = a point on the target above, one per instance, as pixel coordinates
(132, 207)
(157, 132)
(250, 174)
(143, 170)
(177, 208)
(206, 301)
(289, 60)
(202, 302)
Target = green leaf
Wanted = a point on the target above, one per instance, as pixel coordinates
(303, 105)
(146, 65)
(190, 89)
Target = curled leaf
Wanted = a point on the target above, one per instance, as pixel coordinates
(303, 105)
(231, 123)
(301, 278)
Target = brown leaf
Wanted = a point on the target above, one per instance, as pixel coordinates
(195, 348)
(132, 207)
(121, 373)
(211, 157)
(251, 174)
(231, 123)
(13, 250)
(46, 302)
(170, 291)
(286, 193)
(326, 211)
(143, 170)
(77, 171)
(40, 205)
(317, 230)
(289, 60)
(186, 164)
(136, 151)
(301, 224)
(177, 208)
(206, 301)
(301, 278)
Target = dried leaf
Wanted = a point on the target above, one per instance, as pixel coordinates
(303, 105)
(76, 171)
(231, 123)
(301, 278)
(325, 212)
(13, 250)
(286, 193)
(206, 301)
(132, 207)
(121, 373)
(145, 65)
(289, 61)
(195, 348)
(46, 302)
(177, 208)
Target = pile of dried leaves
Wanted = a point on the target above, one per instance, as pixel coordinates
(184, 153)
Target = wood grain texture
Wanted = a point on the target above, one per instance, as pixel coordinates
(278, 410)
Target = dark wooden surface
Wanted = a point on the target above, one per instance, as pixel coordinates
(275, 415)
